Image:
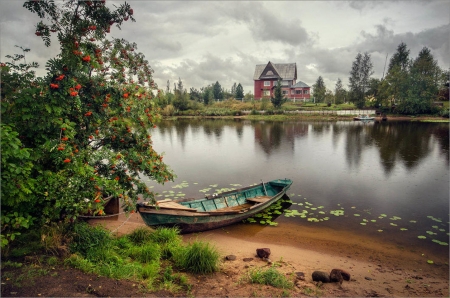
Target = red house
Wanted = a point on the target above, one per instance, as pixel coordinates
(267, 75)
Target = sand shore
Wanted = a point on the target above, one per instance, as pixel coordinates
(376, 268)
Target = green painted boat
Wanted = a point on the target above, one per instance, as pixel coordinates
(215, 211)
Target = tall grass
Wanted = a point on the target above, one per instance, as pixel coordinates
(138, 256)
(199, 257)
(140, 235)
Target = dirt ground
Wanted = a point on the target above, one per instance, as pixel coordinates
(377, 269)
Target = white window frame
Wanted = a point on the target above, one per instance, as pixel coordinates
(266, 93)
(266, 83)
(305, 91)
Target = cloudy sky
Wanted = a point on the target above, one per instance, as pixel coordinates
(202, 42)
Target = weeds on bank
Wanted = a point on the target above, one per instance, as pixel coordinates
(270, 276)
(143, 255)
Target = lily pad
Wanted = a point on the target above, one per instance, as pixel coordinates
(403, 229)
(422, 237)
(430, 262)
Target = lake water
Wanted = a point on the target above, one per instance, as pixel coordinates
(382, 179)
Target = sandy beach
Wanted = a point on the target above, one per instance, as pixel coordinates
(377, 269)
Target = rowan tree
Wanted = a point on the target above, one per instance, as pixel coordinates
(87, 124)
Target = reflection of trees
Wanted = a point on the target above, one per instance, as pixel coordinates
(356, 140)
(440, 132)
(408, 142)
(271, 135)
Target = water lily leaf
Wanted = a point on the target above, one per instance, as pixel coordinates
(395, 218)
(403, 229)
(363, 223)
(422, 237)
(263, 222)
(431, 233)
(380, 231)
(430, 262)
(393, 224)
(373, 220)
(413, 221)
(356, 214)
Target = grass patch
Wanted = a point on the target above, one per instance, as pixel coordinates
(270, 276)
(140, 235)
(198, 257)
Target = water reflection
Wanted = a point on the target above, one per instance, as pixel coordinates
(397, 168)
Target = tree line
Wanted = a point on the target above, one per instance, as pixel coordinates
(182, 99)
(411, 86)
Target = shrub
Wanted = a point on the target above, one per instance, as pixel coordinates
(199, 257)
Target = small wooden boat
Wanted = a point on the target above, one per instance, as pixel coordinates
(363, 118)
(215, 211)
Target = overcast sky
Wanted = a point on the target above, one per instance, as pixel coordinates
(207, 41)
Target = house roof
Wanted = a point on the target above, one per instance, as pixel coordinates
(299, 84)
(284, 71)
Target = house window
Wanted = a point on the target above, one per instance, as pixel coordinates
(298, 91)
(266, 83)
(285, 92)
(284, 83)
(305, 91)
(292, 92)
(266, 93)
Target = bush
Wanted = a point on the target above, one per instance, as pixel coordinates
(199, 257)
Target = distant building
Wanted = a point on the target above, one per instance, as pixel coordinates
(266, 77)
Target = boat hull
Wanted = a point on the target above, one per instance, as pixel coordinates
(188, 221)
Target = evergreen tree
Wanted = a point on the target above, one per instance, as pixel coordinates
(233, 89)
(180, 86)
(397, 75)
(217, 91)
(278, 99)
(207, 96)
(359, 78)
(319, 90)
(339, 92)
(239, 92)
(423, 84)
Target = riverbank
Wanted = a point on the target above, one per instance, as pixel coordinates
(377, 268)
(314, 117)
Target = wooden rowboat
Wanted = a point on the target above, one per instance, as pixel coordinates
(215, 211)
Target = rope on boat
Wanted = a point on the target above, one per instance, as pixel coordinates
(264, 187)
(120, 225)
(103, 216)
